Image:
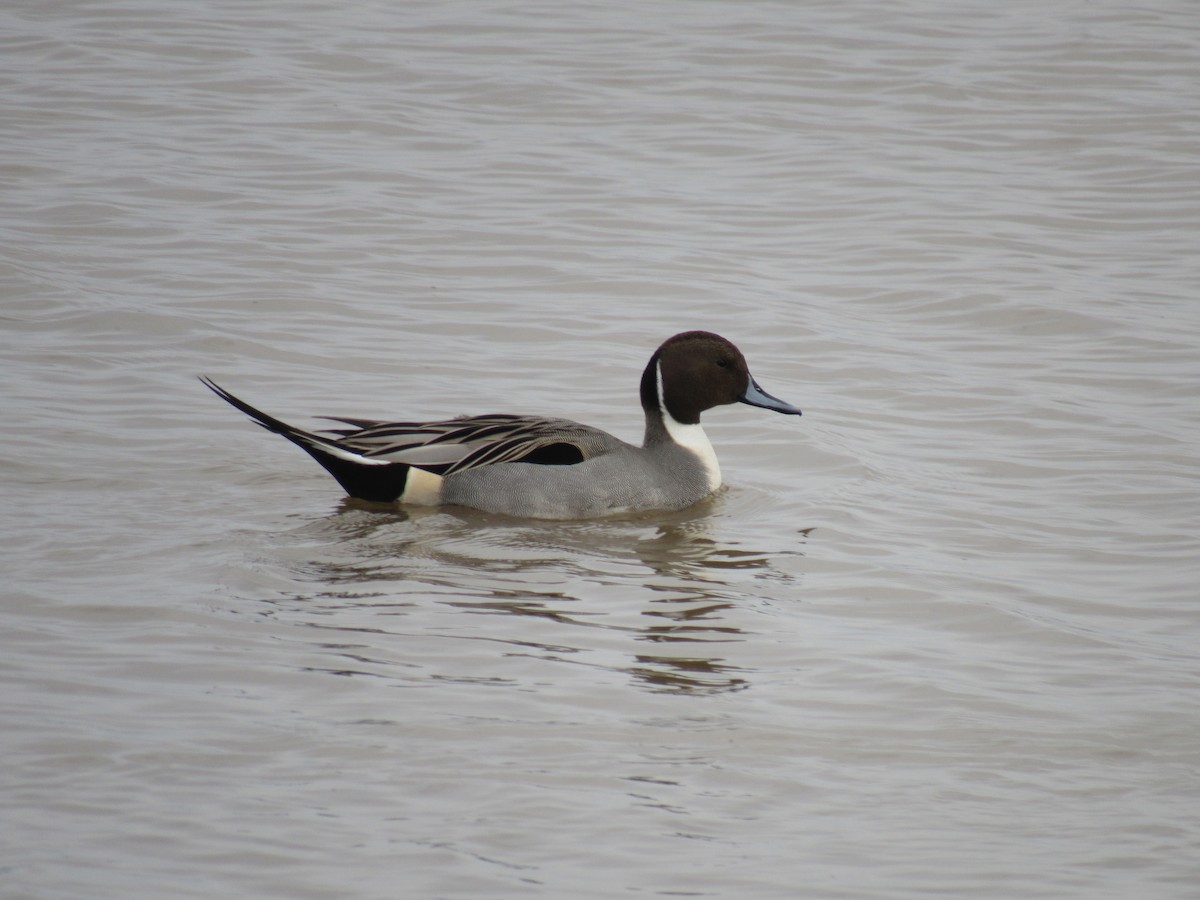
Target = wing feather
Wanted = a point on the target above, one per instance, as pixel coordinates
(454, 445)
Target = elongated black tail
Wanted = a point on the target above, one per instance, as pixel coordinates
(366, 479)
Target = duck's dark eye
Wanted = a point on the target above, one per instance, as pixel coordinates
(723, 363)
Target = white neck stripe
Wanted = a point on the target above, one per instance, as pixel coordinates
(690, 437)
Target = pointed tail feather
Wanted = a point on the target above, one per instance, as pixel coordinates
(367, 479)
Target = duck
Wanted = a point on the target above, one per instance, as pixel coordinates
(545, 468)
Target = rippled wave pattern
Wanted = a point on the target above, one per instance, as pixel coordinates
(935, 638)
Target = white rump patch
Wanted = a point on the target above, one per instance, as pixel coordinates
(422, 488)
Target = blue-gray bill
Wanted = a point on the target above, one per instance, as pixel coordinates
(756, 396)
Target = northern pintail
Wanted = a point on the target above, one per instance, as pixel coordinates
(537, 467)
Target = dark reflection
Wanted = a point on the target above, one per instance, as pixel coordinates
(664, 580)
(694, 625)
(677, 673)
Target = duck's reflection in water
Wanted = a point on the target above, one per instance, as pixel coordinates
(665, 583)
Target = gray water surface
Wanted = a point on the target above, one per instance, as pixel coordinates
(935, 638)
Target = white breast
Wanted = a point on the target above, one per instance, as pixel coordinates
(693, 438)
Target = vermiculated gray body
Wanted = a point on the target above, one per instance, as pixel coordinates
(629, 478)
